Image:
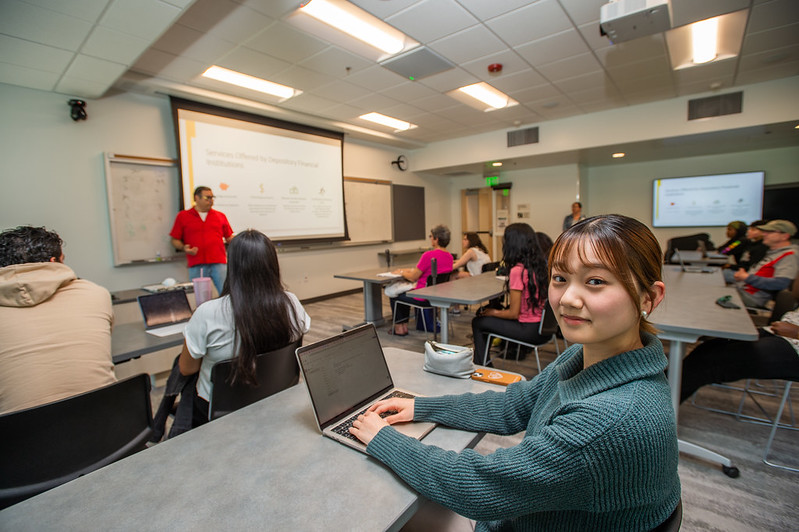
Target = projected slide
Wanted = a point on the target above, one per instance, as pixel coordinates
(713, 200)
(286, 183)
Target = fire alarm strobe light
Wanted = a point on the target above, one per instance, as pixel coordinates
(494, 68)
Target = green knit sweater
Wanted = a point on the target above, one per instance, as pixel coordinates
(599, 451)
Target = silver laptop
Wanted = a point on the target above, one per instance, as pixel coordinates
(165, 313)
(344, 375)
(692, 269)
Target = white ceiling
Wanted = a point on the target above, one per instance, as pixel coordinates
(556, 64)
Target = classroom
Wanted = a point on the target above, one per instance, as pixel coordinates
(587, 97)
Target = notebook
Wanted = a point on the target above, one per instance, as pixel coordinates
(344, 375)
(692, 269)
(165, 313)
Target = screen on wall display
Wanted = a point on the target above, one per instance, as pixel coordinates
(710, 200)
(280, 178)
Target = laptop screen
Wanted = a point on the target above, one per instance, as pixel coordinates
(164, 308)
(344, 371)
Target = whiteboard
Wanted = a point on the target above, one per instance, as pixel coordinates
(367, 203)
(142, 205)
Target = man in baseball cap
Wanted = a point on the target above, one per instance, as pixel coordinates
(775, 271)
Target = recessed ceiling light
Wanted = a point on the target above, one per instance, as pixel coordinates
(485, 95)
(704, 40)
(496, 164)
(395, 123)
(619, 155)
(250, 82)
(356, 22)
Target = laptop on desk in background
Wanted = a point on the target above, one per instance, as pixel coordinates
(345, 374)
(165, 313)
(692, 269)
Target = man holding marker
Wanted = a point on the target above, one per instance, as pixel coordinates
(202, 233)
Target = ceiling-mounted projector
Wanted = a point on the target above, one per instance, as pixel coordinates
(625, 20)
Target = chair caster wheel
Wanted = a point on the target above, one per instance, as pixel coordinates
(731, 471)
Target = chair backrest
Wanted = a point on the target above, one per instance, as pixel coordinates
(687, 243)
(490, 266)
(436, 278)
(548, 326)
(275, 371)
(45, 446)
(672, 522)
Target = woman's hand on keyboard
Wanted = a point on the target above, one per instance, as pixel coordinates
(369, 424)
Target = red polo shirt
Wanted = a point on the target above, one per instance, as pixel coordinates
(206, 235)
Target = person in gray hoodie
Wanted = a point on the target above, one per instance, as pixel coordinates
(55, 328)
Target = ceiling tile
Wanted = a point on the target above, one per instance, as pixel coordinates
(592, 36)
(143, 18)
(553, 48)
(537, 94)
(449, 80)
(383, 10)
(487, 10)
(634, 51)
(532, 22)
(595, 94)
(597, 79)
(409, 91)
(769, 58)
(24, 53)
(272, 8)
(519, 81)
(42, 25)
(403, 111)
(767, 40)
(773, 14)
(309, 103)
(193, 44)
(88, 10)
(429, 20)
(254, 63)
(93, 69)
(582, 11)
(511, 63)
(284, 42)
(656, 66)
(345, 112)
(775, 71)
(27, 77)
(335, 62)
(114, 46)
(468, 44)
(84, 87)
(301, 78)
(376, 78)
(341, 91)
(568, 68)
(373, 102)
(435, 103)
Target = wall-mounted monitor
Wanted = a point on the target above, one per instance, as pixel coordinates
(282, 178)
(708, 200)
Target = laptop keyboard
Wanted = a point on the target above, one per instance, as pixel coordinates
(343, 428)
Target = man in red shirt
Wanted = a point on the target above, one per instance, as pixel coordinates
(202, 233)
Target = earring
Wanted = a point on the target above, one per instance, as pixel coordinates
(644, 314)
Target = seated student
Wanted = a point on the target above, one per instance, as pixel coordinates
(600, 443)
(253, 315)
(439, 237)
(526, 287)
(775, 271)
(755, 248)
(774, 355)
(544, 242)
(55, 329)
(475, 254)
(736, 240)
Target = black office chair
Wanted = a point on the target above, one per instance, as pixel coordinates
(275, 371)
(490, 266)
(673, 522)
(687, 243)
(45, 446)
(433, 279)
(547, 330)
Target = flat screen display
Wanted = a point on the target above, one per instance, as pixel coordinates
(709, 200)
(281, 178)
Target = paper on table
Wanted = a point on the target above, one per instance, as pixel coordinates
(389, 274)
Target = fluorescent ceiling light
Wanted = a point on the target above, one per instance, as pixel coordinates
(486, 94)
(496, 164)
(618, 155)
(396, 124)
(704, 39)
(728, 40)
(250, 82)
(357, 23)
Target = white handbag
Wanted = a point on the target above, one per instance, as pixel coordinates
(398, 287)
(447, 359)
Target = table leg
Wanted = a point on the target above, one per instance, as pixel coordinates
(444, 318)
(676, 355)
(372, 306)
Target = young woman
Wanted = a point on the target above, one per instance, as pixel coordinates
(600, 447)
(736, 242)
(254, 314)
(439, 237)
(475, 254)
(527, 292)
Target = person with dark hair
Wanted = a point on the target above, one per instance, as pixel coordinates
(599, 451)
(575, 216)
(55, 328)
(544, 242)
(755, 248)
(475, 254)
(202, 233)
(526, 287)
(736, 240)
(439, 238)
(253, 315)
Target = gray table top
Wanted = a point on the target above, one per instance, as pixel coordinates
(130, 340)
(371, 275)
(466, 291)
(690, 310)
(265, 466)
